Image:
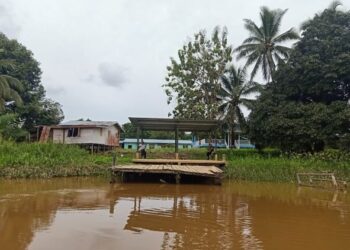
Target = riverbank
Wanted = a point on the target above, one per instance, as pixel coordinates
(56, 160)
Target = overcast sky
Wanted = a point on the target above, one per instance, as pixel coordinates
(106, 59)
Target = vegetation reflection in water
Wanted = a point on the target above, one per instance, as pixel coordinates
(89, 213)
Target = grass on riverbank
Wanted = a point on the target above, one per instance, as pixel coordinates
(48, 160)
(53, 160)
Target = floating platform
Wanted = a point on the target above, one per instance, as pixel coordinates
(169, 173)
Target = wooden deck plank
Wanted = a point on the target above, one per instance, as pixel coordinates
(210, 171)
(179, 161)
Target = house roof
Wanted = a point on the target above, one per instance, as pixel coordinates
(87, 124)
(157, 141)
(168, 124)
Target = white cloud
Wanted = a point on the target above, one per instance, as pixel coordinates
(112, 74)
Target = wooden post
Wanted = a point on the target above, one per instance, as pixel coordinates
(64, 136)
(334, 181)
(224, 157)
(216, 156)
(137, 137)
(37, 134)
(114, 158)
(298, 179)
(176, 143)
(177, 178)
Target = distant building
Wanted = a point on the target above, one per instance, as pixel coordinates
(102, 133)
(131, 143)
(204, 143)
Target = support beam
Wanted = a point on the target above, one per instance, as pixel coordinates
(177, 178)
(137, 142)
(176, 143)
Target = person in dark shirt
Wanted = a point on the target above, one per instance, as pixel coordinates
(210, 151)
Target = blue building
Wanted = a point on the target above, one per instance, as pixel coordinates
(131, 143)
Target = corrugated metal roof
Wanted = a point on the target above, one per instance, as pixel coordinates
(156, 141)
(170, 124)
(87, 124)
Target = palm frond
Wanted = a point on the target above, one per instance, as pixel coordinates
(333, 6)
(252, 87)
(248, 103)
(256, 67)
(253, 39)
(290, 34)
(277, 18)
(253, 28)
(225, 82)
(284, 51)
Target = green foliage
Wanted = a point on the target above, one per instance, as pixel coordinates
(53, 160)
(263, 47)
(10, 89)
(318, 70)
(306, 107)
(283, 168)
(36, 109)
(10, 128)
(298, 127)
(24, 160)
(193, 81)
(233, 95)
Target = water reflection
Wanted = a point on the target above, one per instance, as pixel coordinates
(88, 213)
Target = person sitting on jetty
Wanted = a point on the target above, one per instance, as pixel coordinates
(142, 149)
(210, 151)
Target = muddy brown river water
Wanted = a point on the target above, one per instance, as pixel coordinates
(89, 213)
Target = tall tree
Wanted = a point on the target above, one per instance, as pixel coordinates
(36, 108)
(193, 81)
(263, 47)
(234, 94)
(306, 107)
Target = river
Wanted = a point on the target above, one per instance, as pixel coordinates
(90, 213)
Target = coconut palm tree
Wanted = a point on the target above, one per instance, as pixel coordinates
(263, 47)
(233, 95)
(10, 87)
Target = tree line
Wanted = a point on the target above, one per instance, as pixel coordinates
(23, 101)
(304, 104)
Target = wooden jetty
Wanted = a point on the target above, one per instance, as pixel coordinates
(171, 170)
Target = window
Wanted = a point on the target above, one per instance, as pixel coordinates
(73, 132)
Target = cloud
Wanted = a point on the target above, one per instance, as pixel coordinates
(7, 24)
(112, 74)
(89, 78)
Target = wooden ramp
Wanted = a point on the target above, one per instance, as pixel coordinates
(178, 172)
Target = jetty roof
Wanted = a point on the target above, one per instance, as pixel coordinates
(170, 124)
